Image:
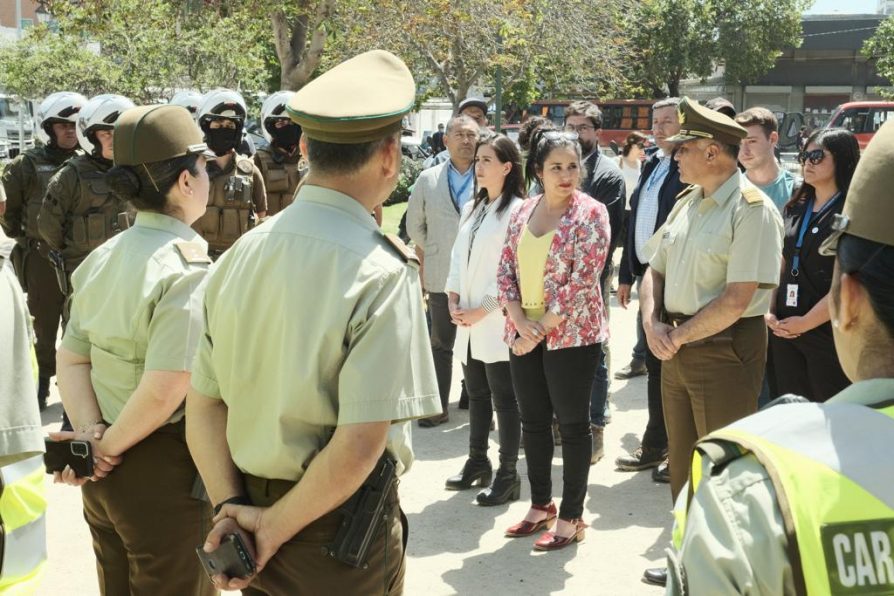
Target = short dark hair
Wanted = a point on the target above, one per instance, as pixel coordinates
(875, 263)
(634, 138)
(337, 158)
(146, 186)
(585, 108)
(667, 102)
(759, 117)
(459, 119)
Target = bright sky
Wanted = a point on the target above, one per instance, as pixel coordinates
(849, 6)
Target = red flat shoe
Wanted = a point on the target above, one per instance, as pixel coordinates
(526, 528)
(551, 541)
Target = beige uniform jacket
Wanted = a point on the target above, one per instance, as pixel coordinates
(733, 236)
(311, 321)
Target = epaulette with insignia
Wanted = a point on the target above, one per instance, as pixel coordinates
(244, 165)
(192, 252)
(402, 249)
(752, 195)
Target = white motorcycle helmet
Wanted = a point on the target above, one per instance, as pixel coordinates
(63, 106)
(100, 113)
(221, 103)
(188, 99)
(273, 109)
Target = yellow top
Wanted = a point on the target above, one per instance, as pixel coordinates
(532, 253)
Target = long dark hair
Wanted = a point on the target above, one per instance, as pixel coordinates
(542, 144)
(845, 150)
(514, 183)
(531, 159)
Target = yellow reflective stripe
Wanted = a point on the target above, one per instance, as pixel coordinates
(23, 501)
(35, 369)
(25, 585)
(681, 507)
(24, 548)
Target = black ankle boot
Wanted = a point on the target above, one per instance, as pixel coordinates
(477, 468)
(43, 391)
(506, 487)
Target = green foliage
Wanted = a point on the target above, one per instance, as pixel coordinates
(690, 38)
(881, 47)
(409, 172)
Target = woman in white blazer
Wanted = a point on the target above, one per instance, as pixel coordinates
(472, 299)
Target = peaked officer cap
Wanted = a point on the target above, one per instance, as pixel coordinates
(699, 122)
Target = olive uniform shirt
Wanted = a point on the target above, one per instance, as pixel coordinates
(329, 330)
(136, 306)
(733, 236)
(735, 538)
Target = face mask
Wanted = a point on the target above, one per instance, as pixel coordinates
(287, 136)
(222, 140)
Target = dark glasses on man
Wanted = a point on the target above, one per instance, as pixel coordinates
(815, 157)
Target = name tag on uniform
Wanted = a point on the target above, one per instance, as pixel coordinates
(859, 557)
(791, 295)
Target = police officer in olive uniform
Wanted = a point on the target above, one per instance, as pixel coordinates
(237, 200)
(25, 181)
(279, 162)
(296, 388)
(812, 483)
(125, 357)
(714, 263)
(79, 211)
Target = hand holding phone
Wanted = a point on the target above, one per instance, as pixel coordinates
(78, 455)
(231, 558)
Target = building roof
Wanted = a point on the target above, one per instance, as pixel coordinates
(838, 32)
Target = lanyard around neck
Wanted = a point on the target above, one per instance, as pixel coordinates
(806, 220)
(457, 195)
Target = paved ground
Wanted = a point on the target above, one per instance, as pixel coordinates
(457, 547)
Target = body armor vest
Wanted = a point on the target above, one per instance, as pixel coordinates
(98, 213)
(45, 169)
(280, 179)
(230, 212)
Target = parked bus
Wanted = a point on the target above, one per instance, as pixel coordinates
(620, 117)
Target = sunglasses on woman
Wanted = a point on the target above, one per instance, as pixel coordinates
(555, 135)
(815, 157)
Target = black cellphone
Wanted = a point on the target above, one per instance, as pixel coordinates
(231, 558)
(77, 454)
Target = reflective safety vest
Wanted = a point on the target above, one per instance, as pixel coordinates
(280, 179)
(832, 470)
(23, 506)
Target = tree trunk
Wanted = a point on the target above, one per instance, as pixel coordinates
(298, 57)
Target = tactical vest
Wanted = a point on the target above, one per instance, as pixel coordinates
(98, 213)
(23, 506)
(280, 180)
(230, 211)
(44, 169)
(834, 480)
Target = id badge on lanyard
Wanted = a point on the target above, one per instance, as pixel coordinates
(791, 290)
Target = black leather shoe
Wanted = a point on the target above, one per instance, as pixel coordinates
(433, 421)
(657, 576)
(506, 487)
(662, 473)
(636, 368)
(475, 470)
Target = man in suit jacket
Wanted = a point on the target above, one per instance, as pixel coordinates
(432, 223)
(651, 202)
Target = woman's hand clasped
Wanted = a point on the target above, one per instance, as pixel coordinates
(467, 317)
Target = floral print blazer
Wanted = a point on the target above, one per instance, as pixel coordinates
(571, 278)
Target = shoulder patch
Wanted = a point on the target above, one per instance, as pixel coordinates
(402, 249)
(244, 165)
(686, 191)
(752, 195)
(192, 252)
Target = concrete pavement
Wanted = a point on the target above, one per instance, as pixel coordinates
(457, 547)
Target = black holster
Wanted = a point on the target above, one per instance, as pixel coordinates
(363, 513)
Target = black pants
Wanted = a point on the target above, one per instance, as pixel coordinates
(443, 334)
(655, 436)
(489, 385)
(808, 365)
(556, 381)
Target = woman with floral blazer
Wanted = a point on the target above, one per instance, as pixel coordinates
(548, 281)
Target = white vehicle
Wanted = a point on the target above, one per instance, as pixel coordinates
(9, 126)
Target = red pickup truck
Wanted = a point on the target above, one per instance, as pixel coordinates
(863, 118)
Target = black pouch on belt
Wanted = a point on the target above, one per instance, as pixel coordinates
(362, 514)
